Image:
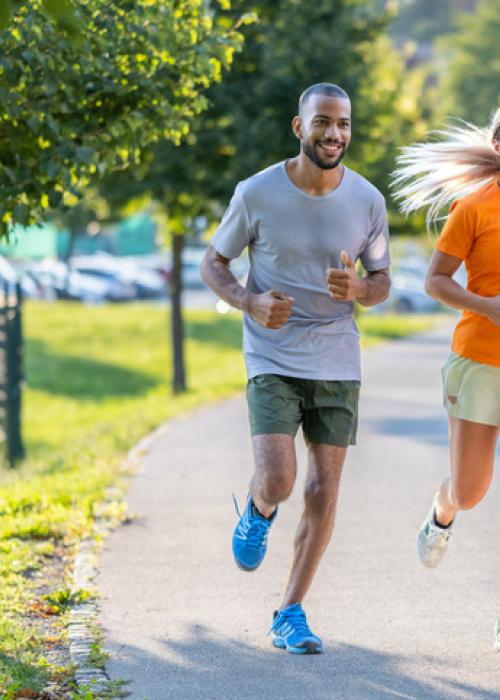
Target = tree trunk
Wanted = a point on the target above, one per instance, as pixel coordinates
(179, 373)
(73, 233)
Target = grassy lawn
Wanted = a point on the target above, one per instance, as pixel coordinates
(97, 381)
(378, 328)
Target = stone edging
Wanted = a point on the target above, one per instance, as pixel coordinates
(83, 617)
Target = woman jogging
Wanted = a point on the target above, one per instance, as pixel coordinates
(463, 167)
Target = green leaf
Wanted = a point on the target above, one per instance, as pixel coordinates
(55, 198)
(63, 12)
(6, 10)
(84, 154)
(247, 18)
(21, 214)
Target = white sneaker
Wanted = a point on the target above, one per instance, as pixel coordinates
(432, 540)
(497, 635)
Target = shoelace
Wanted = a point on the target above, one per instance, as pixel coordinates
(440, 534)
(296, 620)
(236, 506)
(255, 533)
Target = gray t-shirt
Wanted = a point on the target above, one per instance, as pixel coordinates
(292, 239)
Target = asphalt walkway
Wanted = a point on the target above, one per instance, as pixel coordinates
(181, 621)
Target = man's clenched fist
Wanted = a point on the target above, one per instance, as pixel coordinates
(271, 309)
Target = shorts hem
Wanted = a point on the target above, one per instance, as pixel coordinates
(269, 431)
(462, 415)
(333, 440)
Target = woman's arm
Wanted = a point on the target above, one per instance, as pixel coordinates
(440, 285)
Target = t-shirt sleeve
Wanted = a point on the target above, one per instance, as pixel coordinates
(375, 255)
(458, 233)
(234, 232)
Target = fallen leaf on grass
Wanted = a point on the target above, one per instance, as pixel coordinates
(27, 693)
(53, 639)
(44, 609)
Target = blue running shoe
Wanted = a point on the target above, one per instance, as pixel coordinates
(291, 632)
(250, 536)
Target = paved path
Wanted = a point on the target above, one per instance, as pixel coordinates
(182, 622)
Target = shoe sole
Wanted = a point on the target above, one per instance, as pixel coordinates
(242, 567)
(308, 649)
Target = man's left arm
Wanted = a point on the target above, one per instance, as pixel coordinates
(347, 285)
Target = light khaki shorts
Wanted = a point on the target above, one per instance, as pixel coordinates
(471, 390)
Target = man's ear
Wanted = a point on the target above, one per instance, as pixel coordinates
(297, 127)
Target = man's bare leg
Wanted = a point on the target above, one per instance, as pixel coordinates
(316, 525)
(275, 471)
(272, 482)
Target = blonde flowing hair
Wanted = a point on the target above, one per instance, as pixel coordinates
(433, 173)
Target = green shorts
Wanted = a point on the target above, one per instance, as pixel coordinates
(471, 390)
(327, 410)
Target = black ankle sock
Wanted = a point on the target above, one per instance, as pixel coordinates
(438, 524)
(257, 512)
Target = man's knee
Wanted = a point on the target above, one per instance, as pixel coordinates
(276, 485)
(320, 495)
(275, 467)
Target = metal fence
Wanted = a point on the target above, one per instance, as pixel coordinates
(11, 376)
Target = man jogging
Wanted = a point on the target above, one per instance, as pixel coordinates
(305, 221)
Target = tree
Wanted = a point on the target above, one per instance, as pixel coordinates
(62, 11)
(423, 20)
(248, 123)
(72, 111)
(470, 85)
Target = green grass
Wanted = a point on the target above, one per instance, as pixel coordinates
(97, 381)
(377, 328)
(103, 373)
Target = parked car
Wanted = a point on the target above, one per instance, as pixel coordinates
(156, 262)
(10, 276)
(59, 282)
(100, 267)
(407, 293)
(128, 279)
(191, 261)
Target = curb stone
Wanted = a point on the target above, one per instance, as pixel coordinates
(83, 619)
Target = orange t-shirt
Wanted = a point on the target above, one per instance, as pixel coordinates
(472, 233)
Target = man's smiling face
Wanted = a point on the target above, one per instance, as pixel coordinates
(324, 129)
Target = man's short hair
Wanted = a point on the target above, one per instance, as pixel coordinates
(329, 89)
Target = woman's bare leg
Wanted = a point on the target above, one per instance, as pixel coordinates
(472, 457)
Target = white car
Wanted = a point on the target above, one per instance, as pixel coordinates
(128, 278)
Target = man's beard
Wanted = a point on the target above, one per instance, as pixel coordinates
(311, 152)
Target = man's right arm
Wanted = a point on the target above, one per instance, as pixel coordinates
(216, 272)
(270, 309)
